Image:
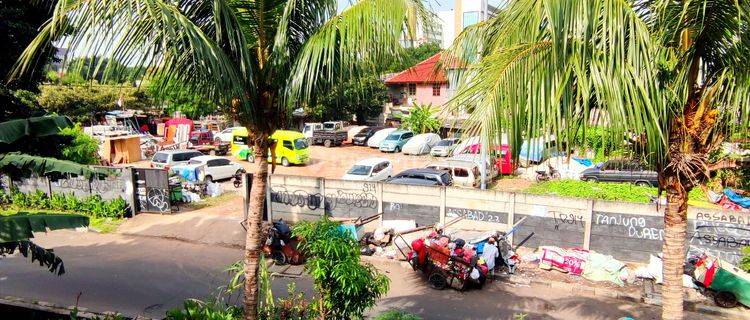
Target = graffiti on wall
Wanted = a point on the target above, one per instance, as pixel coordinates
(364, 198)
(720, 234)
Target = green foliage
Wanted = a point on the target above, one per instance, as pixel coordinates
(421, 119)
(101, 70)
(198, 310)
(412, 56)
(346, 287)
(745, 262)
(592, 190)
(82, 102)
(93, 206)
(177, 96)
(396, 315)
(362, 97)
(82, 148)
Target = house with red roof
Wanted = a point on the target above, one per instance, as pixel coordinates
(421, 84)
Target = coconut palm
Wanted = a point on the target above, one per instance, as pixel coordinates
(258, 58)
(673, 73)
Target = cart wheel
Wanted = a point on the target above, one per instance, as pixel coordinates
(725, 299)
(278, 257)
(438, 281)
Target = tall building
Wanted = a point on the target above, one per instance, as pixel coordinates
(464, 14)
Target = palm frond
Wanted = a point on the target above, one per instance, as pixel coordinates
(350, 43)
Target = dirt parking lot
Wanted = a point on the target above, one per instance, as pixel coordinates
(332, 163)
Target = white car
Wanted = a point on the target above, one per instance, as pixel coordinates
(445, 147)
(226, 134)
(371, 169)
(378, 137)
(421, 144)
(211, 168)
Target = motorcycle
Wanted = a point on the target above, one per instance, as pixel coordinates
(552, 173)
(237, 179)
(281, 245)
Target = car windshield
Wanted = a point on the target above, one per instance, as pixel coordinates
(445, 143)
(360, 170)
(160, 157)
(300, 144)
(393, 136)
(329, 125)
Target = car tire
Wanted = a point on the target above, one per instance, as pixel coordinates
(250, 158)
(208, 178)
(328, 143)
(284, 161)
(642, 183)
(396, 150)
(592, 179)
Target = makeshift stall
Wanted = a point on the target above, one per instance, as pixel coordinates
(178, 130)
(121, 149)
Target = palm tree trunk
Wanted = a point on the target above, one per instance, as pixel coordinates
(675, 228)
(253, 240)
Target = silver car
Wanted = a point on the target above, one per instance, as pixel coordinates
(445, 147)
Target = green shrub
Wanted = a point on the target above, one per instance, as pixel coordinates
(591, 190)
(346, 287)
(198, 310)
(20, 200)
(745, 262)
(57, 202)
(82, 148)
(38, 200)
(72, 203)
(5, 198)
(396, 315)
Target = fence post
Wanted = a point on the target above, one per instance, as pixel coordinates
(322, 183)
(511, 215)
(379, 196)
(268, 199)
(48, 187)
(587, 231)
(442, 204)
(130, 190)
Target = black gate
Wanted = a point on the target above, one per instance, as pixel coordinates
(152, 190)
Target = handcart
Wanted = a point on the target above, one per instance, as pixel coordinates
(727, 283)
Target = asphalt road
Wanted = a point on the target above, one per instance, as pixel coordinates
(138, 275)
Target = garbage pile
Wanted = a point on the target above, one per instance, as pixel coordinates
(589, 264)
(731, 199)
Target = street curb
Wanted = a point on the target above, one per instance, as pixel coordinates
(64, 311)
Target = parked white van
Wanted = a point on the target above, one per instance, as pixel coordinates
(465, 173)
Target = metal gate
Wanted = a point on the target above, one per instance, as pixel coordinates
(152, 190)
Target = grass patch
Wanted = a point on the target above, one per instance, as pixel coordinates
(209, 201)
(593, 190)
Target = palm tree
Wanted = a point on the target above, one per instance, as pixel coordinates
(674, 72)
(258, 58)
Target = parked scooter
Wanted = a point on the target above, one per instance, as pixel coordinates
(552, 173)
(281, 246)
(238, 179)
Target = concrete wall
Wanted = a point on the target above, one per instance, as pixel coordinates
(117, 184)
(627, 231)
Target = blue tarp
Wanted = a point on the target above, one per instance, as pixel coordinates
(736, 198)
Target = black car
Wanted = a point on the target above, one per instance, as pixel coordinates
(622, 171)
(423, 177)
(360, 139)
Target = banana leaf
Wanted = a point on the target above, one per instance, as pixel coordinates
(44, 165)
(21, 226)
(14, 130)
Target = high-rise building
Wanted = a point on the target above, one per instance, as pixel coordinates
(464, 14)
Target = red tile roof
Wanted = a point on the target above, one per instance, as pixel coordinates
(423, 72)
